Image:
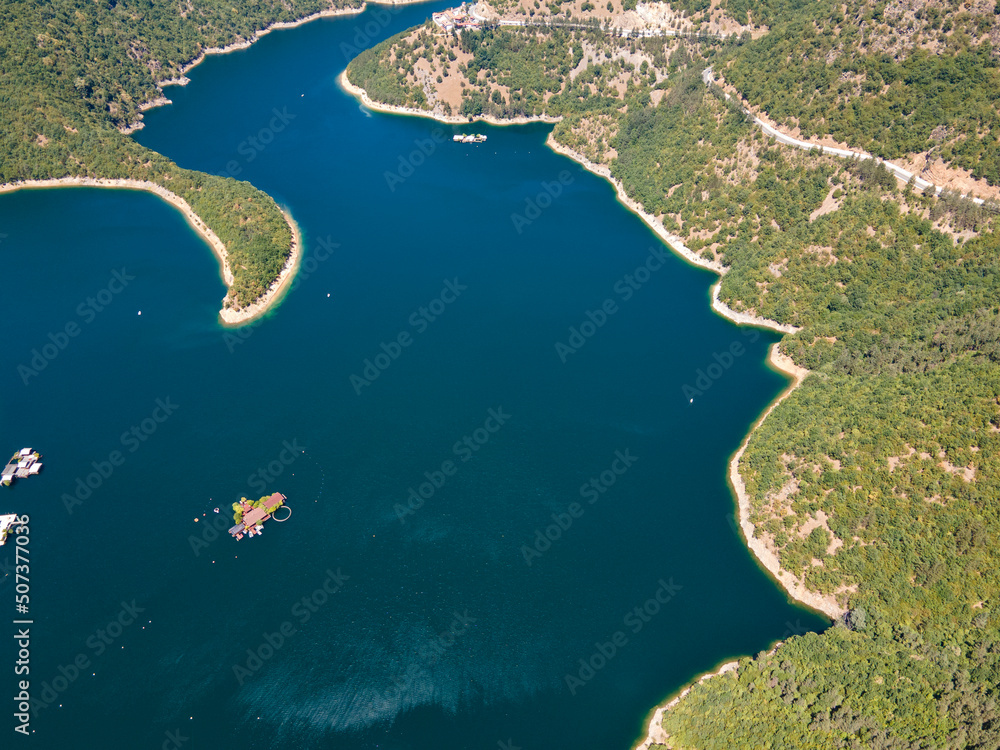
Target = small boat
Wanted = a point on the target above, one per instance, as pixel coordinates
(216, 510)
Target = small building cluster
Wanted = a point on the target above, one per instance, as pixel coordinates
(24, 463)
(457, 18)
(254, 515)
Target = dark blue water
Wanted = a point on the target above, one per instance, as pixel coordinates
(438, 633)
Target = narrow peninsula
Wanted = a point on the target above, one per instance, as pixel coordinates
(67, 120)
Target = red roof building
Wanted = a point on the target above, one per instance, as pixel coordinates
(255, 516)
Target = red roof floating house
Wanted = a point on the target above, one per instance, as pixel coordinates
(254, 514)
(255, 517)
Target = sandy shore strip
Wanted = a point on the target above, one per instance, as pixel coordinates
(229, 316)
(244, 43)
(278, 288)
(656, 735)
(183, 80)
(218, 249)
(825, 603)
(780, 361)
(767, 558)
(395, 109)
(673, 241)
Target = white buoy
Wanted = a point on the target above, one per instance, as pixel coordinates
(140, 312)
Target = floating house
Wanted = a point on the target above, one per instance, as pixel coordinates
(253, 515)
(6, 524)
(25, 463)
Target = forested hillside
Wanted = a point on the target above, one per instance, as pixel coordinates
(877, 481)
(73, 76)
(892, 78)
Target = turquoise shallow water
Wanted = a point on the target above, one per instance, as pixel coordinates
(439, 634)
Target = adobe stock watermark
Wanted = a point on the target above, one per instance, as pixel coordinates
(252, 146)
(87, 311)
(367, 34)
(463, 449)
(408, 164)
(233, 337)
(97, 643)
(430, 653)
(634, 621)
(132, 439)
(311, 264)
(258, 481)
(794, 629)
(545, 197)
(420, 320)
(625, 288)
(174, 740)
(302, 611)
(721, 361)
(591, 491)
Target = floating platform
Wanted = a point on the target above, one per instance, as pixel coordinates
(253, 515)
(23, 464)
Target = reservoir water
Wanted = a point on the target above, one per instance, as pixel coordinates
(495, 541)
